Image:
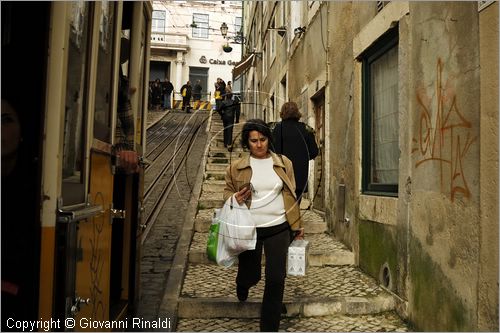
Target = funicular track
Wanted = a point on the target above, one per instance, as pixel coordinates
(169, 144)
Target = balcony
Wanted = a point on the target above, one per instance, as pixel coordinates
(161, 40)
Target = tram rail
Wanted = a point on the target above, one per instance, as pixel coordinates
(162, 181)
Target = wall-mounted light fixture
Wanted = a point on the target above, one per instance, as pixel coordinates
(238, 39)
(281, 30)
(223, 29)
(299, 31)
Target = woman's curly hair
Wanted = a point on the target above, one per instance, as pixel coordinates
(290, 110)
(255, 125)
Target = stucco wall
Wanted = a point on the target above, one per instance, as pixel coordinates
(344, 153)
(439, 236)
(444, 127)
(488, 275)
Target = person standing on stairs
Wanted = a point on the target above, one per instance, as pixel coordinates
(227, 112)
(265, 183)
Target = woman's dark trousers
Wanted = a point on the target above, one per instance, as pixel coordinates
(275, 241)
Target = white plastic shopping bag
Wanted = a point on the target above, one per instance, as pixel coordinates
(237, 232)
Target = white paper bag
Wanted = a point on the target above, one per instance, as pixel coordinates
(297, 257)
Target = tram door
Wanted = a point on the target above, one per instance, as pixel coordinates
(84, 230)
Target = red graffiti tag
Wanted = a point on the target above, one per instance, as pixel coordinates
(441, 139)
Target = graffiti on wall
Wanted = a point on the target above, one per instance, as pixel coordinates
(444, 136)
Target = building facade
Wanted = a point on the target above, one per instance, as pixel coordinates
(403, 97)
(187, 44)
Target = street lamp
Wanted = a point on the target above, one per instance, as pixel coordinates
(223, 29)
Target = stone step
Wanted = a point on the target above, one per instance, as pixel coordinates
(216, 167)
(323, 250)
(209, 200)
(313, 222)
(209, 291)
(218, 160)
(224, 153)
(214, 175)
(383, 322)
(212, 187)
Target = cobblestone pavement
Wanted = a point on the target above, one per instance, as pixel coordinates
(159, 248)
(324, 282)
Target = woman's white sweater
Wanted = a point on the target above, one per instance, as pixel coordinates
(267, 208)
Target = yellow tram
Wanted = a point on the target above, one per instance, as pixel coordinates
(71, 206)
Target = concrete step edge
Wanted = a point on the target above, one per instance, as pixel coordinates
(230, 307)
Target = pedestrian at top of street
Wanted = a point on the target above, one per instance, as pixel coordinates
(157, 94)
(229, 89)
(237, 108)
(227, 112)
(186, 91)
(265, 183)
(220, 90)
(295, 140)
(167, 88)
(197, 90)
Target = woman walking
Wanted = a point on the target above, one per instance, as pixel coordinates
(265, 182)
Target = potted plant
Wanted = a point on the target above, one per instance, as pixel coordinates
(227, 48)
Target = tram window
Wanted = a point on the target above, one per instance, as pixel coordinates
(103, 93)
(73, 188)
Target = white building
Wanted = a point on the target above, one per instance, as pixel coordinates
(187, 44)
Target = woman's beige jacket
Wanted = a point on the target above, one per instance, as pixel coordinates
(239, 173)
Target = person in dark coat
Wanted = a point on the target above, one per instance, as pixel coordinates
(186, 92)
(167, 88)
(157, 94)
(226, 110)
(237, 108)
(295, 140)
(197, 91)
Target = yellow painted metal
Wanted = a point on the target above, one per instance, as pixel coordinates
(94, 244)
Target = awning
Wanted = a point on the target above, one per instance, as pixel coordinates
(243, 66)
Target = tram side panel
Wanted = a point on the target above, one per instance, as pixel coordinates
(81, 242)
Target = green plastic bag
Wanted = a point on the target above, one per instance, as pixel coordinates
(213, 237)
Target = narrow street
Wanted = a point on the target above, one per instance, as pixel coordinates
(180, 284)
